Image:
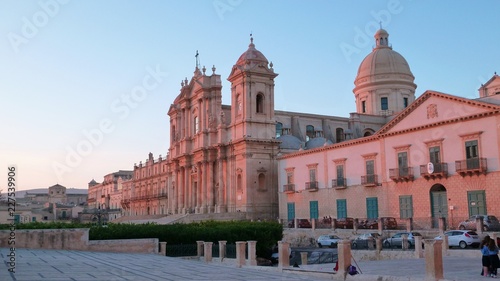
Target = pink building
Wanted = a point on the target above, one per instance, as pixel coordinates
(438, 156)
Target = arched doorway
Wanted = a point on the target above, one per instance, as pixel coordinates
(439, 204)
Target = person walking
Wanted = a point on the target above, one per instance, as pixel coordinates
(494, 260)
(485, 255)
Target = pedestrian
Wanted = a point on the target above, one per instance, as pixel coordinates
(485, 255)
(494, 260)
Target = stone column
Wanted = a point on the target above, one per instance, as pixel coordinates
(163, 248)
(210, 183)
(313, 224)
(284, 254)
(303, 257)
(405, 243)
(371, 243)
(380, 225)
(222, 250)
(419, 253)
(200, 206)
(445, 244)
(204, 189)
(442, 225)
(199, 248)
(252, 253)
(378, 244)
(479, 225)
(207, 250)
(344, 256)
(433, 260)
(409, 224)
(220, 200)
(295, 223)
(240, 253)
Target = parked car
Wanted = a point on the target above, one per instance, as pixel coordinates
(361, 241)
(489, 223)
(328, 240)
(389, 223)
(345, 223)
(304, 223)
(397, 239)
(461, 238)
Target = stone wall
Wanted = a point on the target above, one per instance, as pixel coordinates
(75, 239)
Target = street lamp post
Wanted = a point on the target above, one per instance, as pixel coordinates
(99, 217)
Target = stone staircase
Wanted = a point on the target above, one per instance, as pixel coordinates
(180, 218)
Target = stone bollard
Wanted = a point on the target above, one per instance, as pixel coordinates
(409, 224)
(380, 225)
(479, 225)
(199, 248)
(240, 253)
(419, 253)
(442, 225)
(355, 225)
(252, 253)
(284, 254)
(344, 256)
(163, 248)
(378, 243)
(445, 244)
(371, 243)
(404, 242)
(222, 250)
(433, 260)
(295, 223)
(303, 257)
(334, 223)
(313, 224)
(494, 236)
(207, 250)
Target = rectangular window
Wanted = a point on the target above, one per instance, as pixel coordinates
(405, 206)
(370, 167)
(384, 103)
(341, 208)
(340, 175)
(363, 106)
(312, 175)
(434, 155)
(471, 150)
(405, 102)
(313, 209)
(403, 163)
(289, 178)
(291, 211)
(472, 154)
(372, 207)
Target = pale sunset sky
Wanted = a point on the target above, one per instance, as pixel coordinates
(68, 68)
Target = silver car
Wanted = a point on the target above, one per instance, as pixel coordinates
(461, 238)
(397, 239)
(362, 240)
(328, 240)
(489, 223)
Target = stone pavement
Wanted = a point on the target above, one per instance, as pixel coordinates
(54, 265)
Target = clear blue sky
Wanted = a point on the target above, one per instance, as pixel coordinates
(66, 66)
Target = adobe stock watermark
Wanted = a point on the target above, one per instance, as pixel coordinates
(31, 26)
(223, 6)
(364, 37)
(121, 108)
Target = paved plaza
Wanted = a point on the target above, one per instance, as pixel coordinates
(54, 265)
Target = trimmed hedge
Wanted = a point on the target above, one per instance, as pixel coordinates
(267, 234)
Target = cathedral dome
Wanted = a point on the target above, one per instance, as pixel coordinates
(289, 142)
(252, 56)
(317, 142)
(383, 65)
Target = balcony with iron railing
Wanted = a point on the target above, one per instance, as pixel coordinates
(289, 188)
(369, 180)
(401, 174)
(472, 166)
(312, 186)
(439, 170)
(339, 183)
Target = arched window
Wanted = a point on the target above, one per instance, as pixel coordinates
(239, 184)
(260, 103)
(339, 134)
(196, 125)
(279, 129)
(309, 132)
